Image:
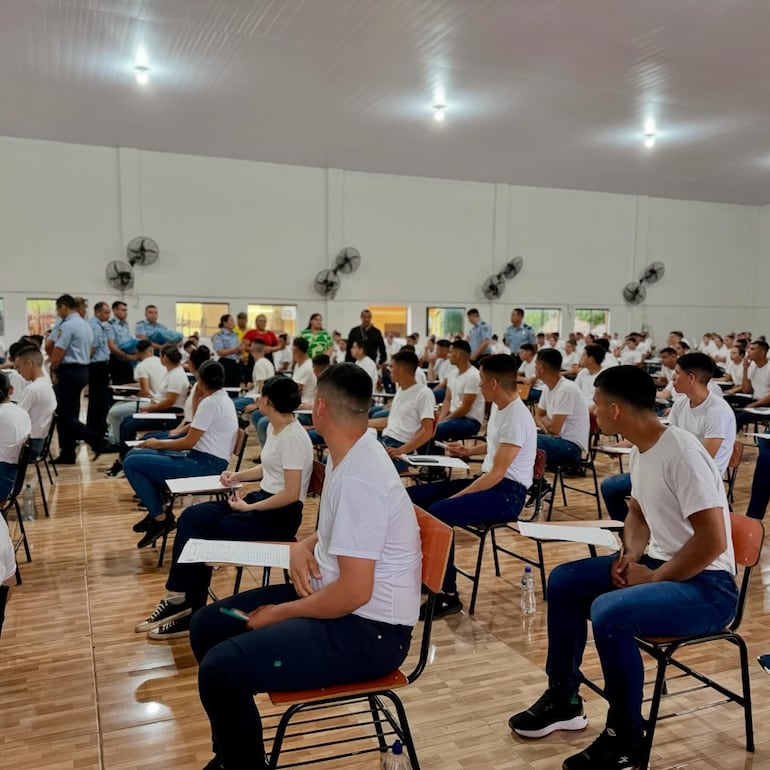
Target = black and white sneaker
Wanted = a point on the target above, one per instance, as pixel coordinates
(536, 491)
(115, 471)
(176, 629)
(549, 713)
(608, 752)
(165, 612)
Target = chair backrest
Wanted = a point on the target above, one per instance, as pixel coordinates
(538, 471)
(49, 437)
(523, 390)
(317, 476)
(21, 470)
(239, 447)
(747, 536)
(736, 456)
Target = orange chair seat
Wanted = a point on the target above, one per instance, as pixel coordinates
(389, 682)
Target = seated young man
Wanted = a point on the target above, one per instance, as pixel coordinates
(355, 592)
(409, 424)
(498, 493)
(527, 374)
(438, 369)
(674, 576)
(590, 365)
(756, 380)
(699, 411)
(262, 371)
(463, 408)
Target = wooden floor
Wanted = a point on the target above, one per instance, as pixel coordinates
(79, 689)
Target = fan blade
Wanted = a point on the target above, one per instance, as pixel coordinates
(513, 268)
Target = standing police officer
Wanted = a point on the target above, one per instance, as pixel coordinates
(70, 356)
(99, 397)
(122, 345)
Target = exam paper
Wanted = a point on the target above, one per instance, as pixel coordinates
(589, 535)
(235, 552)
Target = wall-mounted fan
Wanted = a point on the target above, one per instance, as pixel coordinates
(142, 251)
(513, 268)
(634, 293)
(494, 286)
(120, 275)
(653, 273)
(326, 283)
(347, 260)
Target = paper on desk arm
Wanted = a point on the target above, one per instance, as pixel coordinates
(235, 552)
(589, 535)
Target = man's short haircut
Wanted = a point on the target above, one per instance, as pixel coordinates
(282, 392)
(212, 374)
(117, 303)
(408, 359)
(676, 333)
(603, 342)
(147, 307)
(698, 364)
(5, 386)
(258, 344)
(301, 344)
(461, 345)
(16, 347)
(550, 358)
(519, 310)
(528, 346)
(629, 384)
(68, 301)
(242, 314)
(171, 352)
(597, 352)
(443, 343)
(99, 306)
(503, 368)
(142, 345)
(29, 353)
(321, 361)
(761, 344)
(669, 351)
(347, 389)
(473, 311)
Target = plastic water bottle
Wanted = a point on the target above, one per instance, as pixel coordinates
(528, 602)
(28, 504)
(395, 759)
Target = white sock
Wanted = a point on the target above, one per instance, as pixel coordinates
(175, 597)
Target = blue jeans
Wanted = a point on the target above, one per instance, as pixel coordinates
(7, 479)
(582, 590)
(503, 502)
(615, 490)
(296, 654)
(241, 403)
(260, 424)
(148, 469)
(387, 441)
(457, 428)
(217, 521)
(558, 450)
(36, 447)
(439, 394)
(760, 486)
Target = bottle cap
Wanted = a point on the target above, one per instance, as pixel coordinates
(527, 568)
(398, 748)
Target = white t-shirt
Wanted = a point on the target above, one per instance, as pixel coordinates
(188, 403)
(584, 381)
(409, 408)
(17, 382)
(175, 381)
(365, 513)
(568, 360)
(15, 427)
(721, 355)
(7, 553)
(441, 368)
(370, 368)
(290, 450)
(672, 480)
(609, 361)
(712, 419)
(216, 417)
(735, 371)
(629, 357)
(262, 370)
(303, 375)
(39, 401)
(153, 370)
(281, 357)
(512, 425)
(566, 399)
(760, 380)
(419, 376)
(469, 382)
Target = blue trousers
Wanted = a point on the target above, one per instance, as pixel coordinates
(241, 403)
(8, 473)
(130, 427)
(260, 424)
(558, 450)
(615, 490)
(217, 521)
(296, 654)
(148, 469)
(582, 590)
(503, 502)
(457, 428)
(387, 441)
(760, 486)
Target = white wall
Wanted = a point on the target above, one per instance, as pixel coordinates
(238, 231)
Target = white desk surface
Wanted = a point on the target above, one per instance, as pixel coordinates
(156, 415)
(435, 461)
(125, 387)
(197, 484)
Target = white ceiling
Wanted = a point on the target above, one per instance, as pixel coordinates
(539, 92)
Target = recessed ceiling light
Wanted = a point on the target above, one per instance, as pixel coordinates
(439, 113)
(142, 75)
(649, 133)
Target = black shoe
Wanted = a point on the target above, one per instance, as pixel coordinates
(215, 764)
(115, 471)
(446, 604)
(65, 460)
(156, 529)
(104, 448)
(764, 661)
(141, 526)
(573, 471)
(243, 423)
(537, 491)
(607, 752)
(549, 713)
(165, 614)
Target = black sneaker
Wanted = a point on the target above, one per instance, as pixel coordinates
(607, 752)
(115, 471)
(141, 526)
(215, 764)
(537, 491)
(446, 604)
(549, 713)
(176, 629)
(165, 612)
(764, 661)
(156, 529)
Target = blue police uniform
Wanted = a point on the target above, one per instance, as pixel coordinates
(99, 396)
(231, 363)
(478, 333)
(122, 369)
(516, 336)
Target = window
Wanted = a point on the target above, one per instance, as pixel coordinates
(201, 317)
(41, 315)
(592, 320)
(280, 318)
(445, 322)
(391, 318)
(544, 319)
